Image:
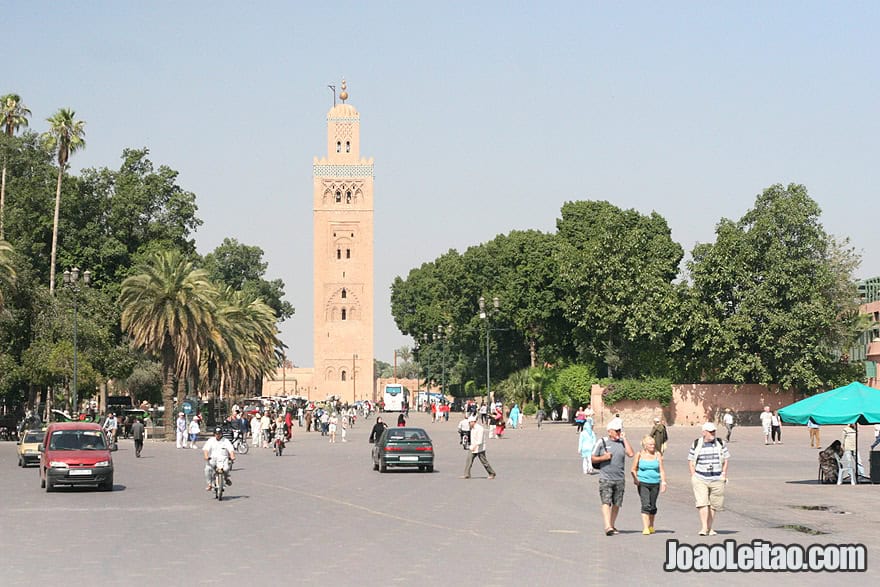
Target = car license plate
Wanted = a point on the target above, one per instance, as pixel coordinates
(80, 472)
(409, 458)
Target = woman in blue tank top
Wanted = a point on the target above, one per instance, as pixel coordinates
(650, 477)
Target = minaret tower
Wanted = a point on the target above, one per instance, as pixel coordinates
(343, 249)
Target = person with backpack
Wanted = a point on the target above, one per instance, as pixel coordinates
(609, 456)
(708, 459)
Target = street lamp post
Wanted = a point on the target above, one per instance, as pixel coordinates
(484, 315)
(72, 281)
(427, 373)
(442, 336)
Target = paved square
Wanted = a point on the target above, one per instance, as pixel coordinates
(320, 515)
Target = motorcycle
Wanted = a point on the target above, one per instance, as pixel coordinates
(279, 444)
(465, 439)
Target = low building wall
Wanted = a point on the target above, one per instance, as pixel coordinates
(693, 404)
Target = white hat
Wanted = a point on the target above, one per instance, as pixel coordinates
(708, 427)
(615, 424)
(656, 418)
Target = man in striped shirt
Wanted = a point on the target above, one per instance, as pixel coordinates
(708, 463)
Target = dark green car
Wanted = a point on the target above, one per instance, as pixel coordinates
(403, 447)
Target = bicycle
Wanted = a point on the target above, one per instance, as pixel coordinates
(219, 481)
(239, 443)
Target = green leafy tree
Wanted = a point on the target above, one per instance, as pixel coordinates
(65, 137)
(13, 116)
(242, 268)
(168, 310)
(772, 297)
(617, 269)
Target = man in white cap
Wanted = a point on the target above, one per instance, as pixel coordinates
(180, 426)
(708, 459)
(609, 456)
(477, 449)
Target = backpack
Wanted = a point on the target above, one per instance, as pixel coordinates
(698, 448)
(604, 448)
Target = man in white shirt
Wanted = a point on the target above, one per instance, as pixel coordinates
(110, 427)
(464, 431)
(728, 422)
(478, 449)
(218, 450)
(766, 419)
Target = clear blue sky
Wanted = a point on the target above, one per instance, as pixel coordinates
(482, 117)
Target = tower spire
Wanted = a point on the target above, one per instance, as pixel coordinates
(343, 95)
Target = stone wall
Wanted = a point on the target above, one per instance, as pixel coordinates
(693, 404)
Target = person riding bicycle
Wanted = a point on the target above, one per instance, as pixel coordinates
(280, 432)
(218, 451)
(464, 431)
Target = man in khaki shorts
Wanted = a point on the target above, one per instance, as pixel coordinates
(708, 459)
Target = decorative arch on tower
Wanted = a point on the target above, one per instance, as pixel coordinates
(342, 192)
(336, 305)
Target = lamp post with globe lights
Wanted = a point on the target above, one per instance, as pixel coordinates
(485, 312)
(73, 282)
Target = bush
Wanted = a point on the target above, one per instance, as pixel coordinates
(658, 389)
(574, 384)
(530, 409)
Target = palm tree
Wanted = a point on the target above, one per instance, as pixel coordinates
(168, 310)
(64, 137)
(7, 272)
(13, 115)
(242, 346)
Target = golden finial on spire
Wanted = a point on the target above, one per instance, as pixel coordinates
(343, 95)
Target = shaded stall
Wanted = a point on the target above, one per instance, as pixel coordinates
(855, 404)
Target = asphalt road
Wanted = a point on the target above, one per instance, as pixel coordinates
(320, 515)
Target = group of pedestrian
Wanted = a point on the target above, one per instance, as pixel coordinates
(707, 458)
(771, 424)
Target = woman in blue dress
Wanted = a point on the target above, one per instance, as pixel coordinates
(586, 442)
(514, 416)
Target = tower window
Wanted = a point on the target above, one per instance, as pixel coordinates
(344, 375)
(348, 197)
(344, 314)
(352, 235)
(338, 147)
(348, 253)
(347, 146)
(338, 253)
(338, 196)
(344, 293)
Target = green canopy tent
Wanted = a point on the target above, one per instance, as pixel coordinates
(855, 403)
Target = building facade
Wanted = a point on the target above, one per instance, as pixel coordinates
(343, 261)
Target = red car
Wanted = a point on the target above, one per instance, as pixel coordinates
(76, 453)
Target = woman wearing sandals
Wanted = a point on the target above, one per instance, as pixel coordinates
(650, 478)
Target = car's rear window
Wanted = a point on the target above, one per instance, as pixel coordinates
(34, 437)
(404, 434)
(77, 440)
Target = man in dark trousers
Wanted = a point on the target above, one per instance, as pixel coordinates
(137, 432)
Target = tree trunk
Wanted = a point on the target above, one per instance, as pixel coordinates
(55, 232)
(2, 198)
(533, 354)
(168, 365)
